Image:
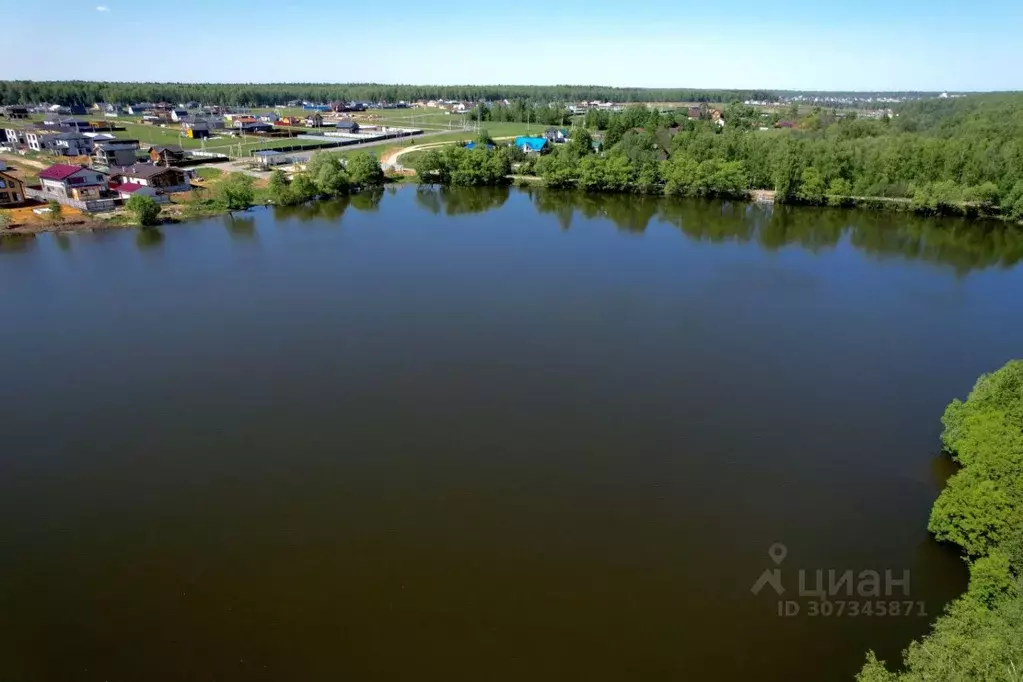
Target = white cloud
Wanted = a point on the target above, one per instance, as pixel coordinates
(102, 8)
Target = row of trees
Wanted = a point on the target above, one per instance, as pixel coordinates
(523, 111)
(252, 94)
(981, 510)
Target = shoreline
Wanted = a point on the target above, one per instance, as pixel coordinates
(121, 220)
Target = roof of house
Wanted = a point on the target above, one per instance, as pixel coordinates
(172, 148)
(126, 187)
(58, 171)
(116, 141)
(266, 152)
(140, 170)
(534, 143)
(347, 124)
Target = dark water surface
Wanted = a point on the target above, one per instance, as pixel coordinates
(480, 436)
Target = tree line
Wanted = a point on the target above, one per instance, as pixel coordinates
(937, 156)
(981, 511)
(271, 94)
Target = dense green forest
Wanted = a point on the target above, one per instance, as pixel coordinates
(940, 156)
(981, 510)
(255, 94)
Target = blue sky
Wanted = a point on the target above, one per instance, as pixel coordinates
(797, 44)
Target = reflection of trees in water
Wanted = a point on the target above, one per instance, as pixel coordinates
(963, 244)
(454, 201)
(148, 237)
(330, 210)
(241, 227)
(12, 243)
(367, 201)
(960, 243)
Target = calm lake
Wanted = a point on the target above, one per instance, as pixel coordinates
(483, 435)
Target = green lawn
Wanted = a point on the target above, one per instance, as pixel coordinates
(208, 173)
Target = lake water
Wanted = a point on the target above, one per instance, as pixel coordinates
(482, 435)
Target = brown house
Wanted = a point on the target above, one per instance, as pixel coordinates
(167, 155)
(164, 179)
(12, 190)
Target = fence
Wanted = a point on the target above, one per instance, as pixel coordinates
(91, 206)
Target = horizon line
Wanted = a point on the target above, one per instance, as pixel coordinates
(499, 85)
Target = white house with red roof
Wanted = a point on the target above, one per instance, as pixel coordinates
(83, 188)
(127, 190)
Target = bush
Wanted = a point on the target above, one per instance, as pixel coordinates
(364, 171)
(145, 209)
(56, 209)
(236, 192)
(328, 174)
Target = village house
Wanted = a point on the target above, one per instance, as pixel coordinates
(348, 127)
(138, 109)
(72, 144)
(269, 117)
(114, 153)
(270, 157)
(72, 185)
(166, 155)
(178, 115)
(41, 140)
(555, 135)
(128, 190)
(531, 145)
(12, 190)
(68, 124)
(196, 130)
(251, 125)
(314, 121)
(163, 179)
(15, 136)
(291, 121)
(14, 112)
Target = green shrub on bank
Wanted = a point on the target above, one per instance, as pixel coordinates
(980, 636)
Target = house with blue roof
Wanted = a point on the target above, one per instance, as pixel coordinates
(473, 145)
(531, 145)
